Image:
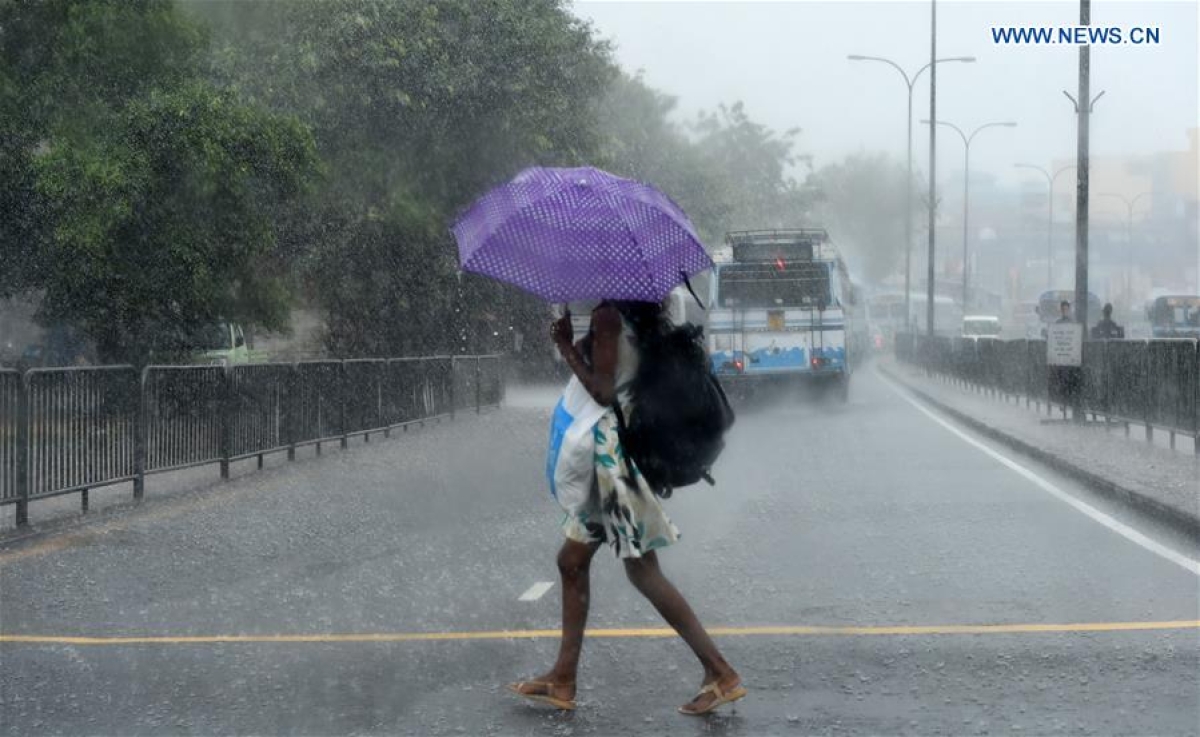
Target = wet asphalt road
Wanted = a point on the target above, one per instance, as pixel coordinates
(865, 515)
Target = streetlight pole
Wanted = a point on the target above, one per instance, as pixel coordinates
(1050, 180)
(930, 276)
(1129, 205)
(909, 82)
(967, 139)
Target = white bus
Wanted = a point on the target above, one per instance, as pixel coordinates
(780, 306)
(886, 312)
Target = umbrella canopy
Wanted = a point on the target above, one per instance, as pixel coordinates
(580, 234)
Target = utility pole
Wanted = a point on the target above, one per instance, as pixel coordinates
(967, 140)
(1083, 109)
(909, 82)
(1050, 180)
(932, 163)
(1081, 187)
(1129, 205)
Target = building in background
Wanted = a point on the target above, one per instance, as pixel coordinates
(1156, 247)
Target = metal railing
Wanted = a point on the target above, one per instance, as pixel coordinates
(77, 430)
(10, 410)
(70, 430)
(1154, 383)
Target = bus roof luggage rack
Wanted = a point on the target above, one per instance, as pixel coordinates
(776, 237)
(798, 244)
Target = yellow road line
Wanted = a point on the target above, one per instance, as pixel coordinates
(952, 629)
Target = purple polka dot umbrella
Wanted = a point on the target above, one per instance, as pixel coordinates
(580, 234)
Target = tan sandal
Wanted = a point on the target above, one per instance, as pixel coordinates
(721, 697)
(543, 698)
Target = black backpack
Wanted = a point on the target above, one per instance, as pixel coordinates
(681, 412)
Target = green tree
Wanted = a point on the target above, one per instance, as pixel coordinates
(727, 171)
(640, 141)
(143, 201)
(756, 165)
(417, 107)
(166, 220)
(862, 204)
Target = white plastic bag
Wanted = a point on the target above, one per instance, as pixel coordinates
(570, 465)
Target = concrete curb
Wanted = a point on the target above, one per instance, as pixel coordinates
(1180, 519)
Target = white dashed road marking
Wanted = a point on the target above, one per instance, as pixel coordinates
(536, 591)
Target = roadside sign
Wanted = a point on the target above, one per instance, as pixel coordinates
(1064, 344)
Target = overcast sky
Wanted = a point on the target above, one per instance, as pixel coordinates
(787, 62)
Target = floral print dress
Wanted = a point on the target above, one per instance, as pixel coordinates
(622, 510)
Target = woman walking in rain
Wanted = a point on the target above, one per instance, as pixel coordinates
(567, 234)
(622, 511)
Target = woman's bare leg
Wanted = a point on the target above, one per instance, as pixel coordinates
(574, 567)
(645, 574)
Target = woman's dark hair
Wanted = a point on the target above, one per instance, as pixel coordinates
(648, 319)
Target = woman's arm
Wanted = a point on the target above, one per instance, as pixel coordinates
(600, 378)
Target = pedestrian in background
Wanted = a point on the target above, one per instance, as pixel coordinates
(1107, 329)
(1064, 309)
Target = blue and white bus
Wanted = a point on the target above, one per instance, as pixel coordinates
(1174, 316)
(781, 302)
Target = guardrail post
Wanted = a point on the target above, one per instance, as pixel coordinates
(478, 385)
(225, 406)
(453, 385)
(23, 431)
(342, 392)
(290, 412)
(140, 422)
(378, 376)
(366, 420)
(387, 398)
(1147, 389)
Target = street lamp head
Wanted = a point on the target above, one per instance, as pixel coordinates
(1009, 124)
(856, 57)
(963, 59)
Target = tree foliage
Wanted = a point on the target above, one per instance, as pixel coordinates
(640, 140)
(863, 202)
(417, 108)
(144, 200)
(727, 171)
(167, 164)
(756, 166)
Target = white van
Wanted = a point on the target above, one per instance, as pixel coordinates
(981, 326)
(222, 343)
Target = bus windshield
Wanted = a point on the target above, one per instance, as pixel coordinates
(770, 285)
